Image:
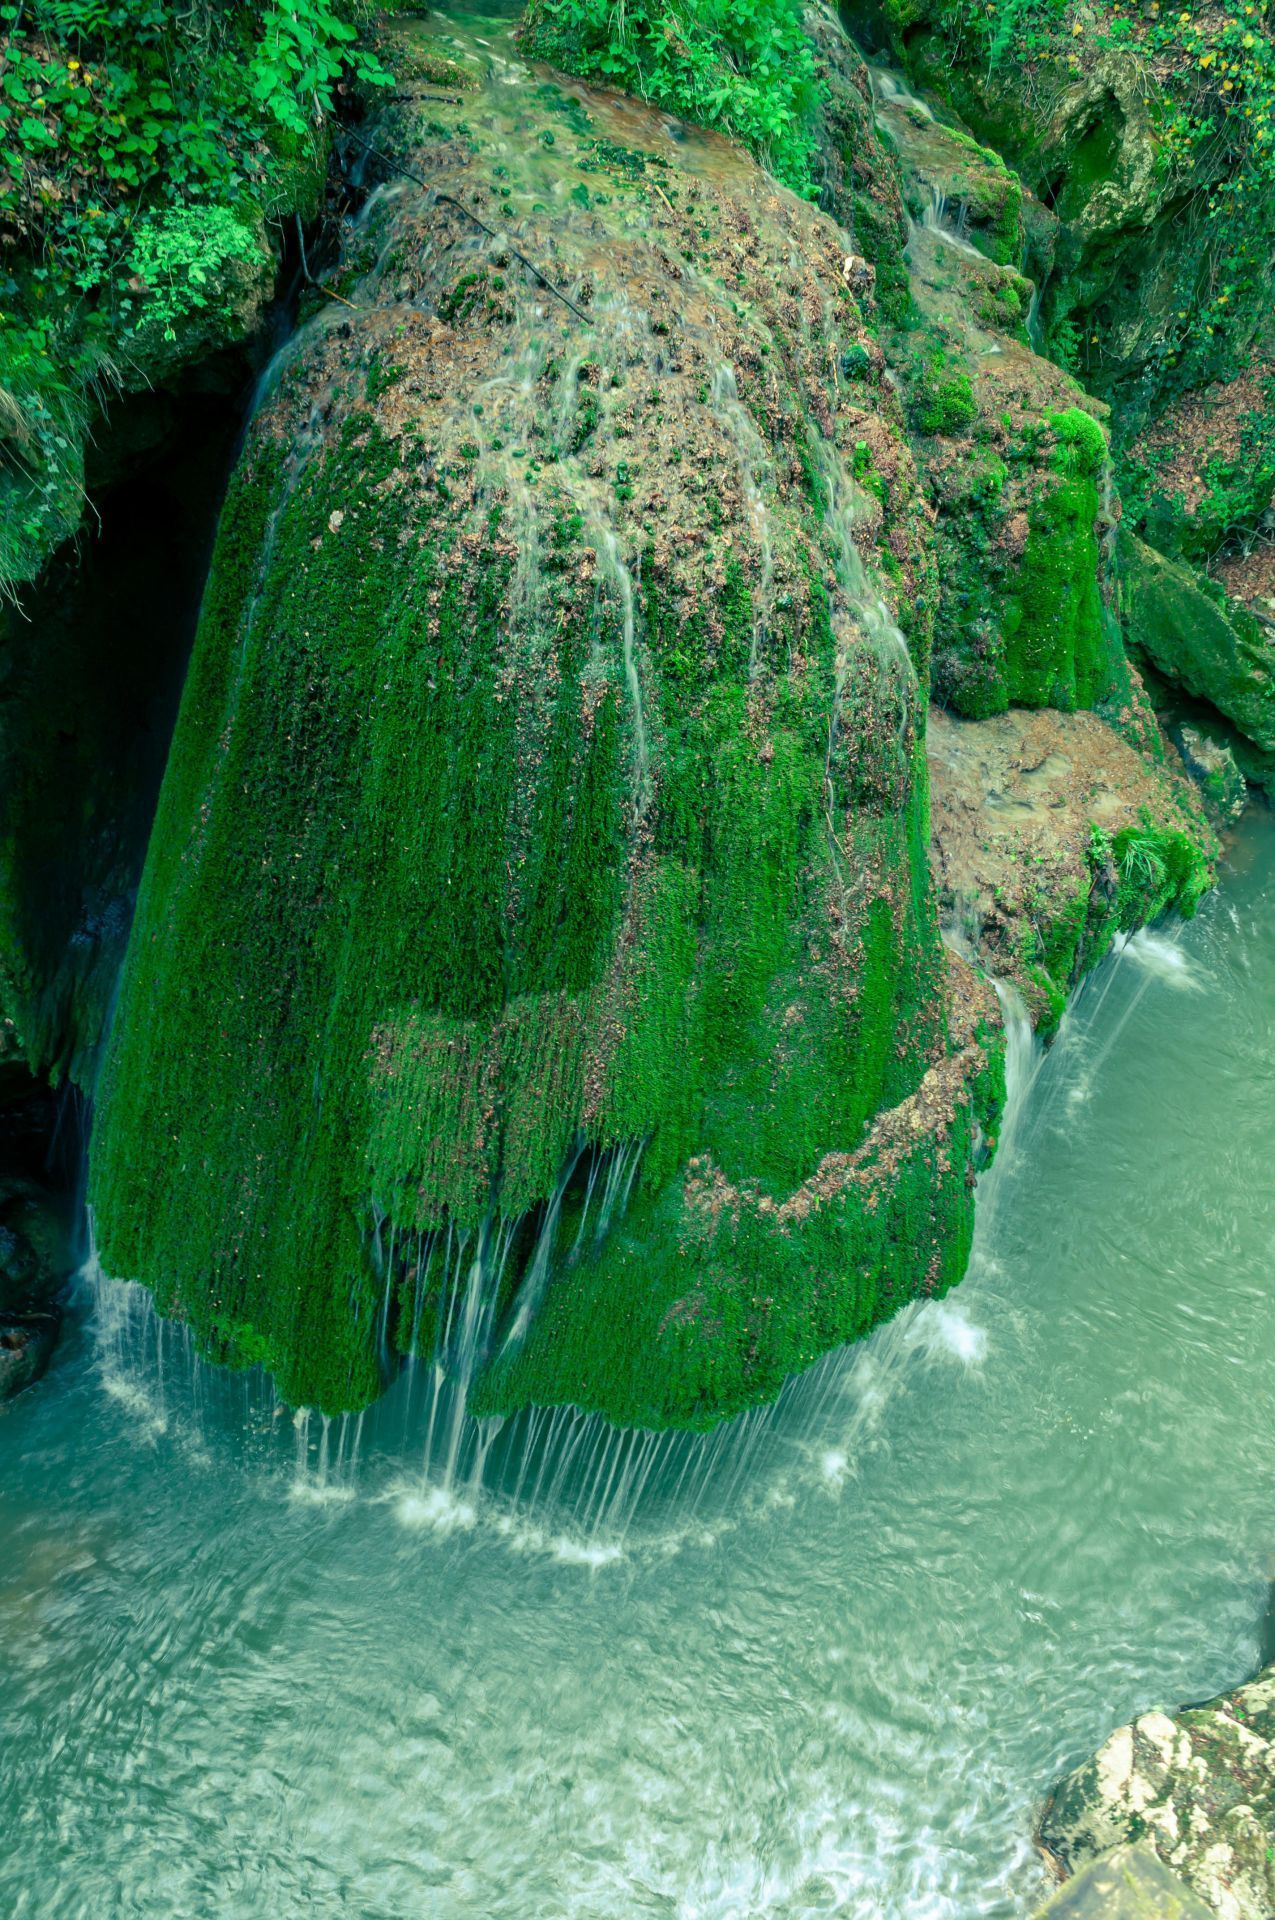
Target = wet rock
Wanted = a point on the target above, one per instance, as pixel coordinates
(1129, 1883)
(26, 1347)
(1030, 812)
(1212, 766)
(1199, 1787)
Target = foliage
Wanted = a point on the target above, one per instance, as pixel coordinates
(140, 142)
(745, 67)
(1217, 123)
(180, 256)
(1236, 487)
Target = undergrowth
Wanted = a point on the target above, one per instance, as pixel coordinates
(744, 67)
(141, 144)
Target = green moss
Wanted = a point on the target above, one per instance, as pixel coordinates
(940, 397)
(1061, 649)
(1213, 647)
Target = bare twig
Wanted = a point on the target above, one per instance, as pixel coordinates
(396, 166)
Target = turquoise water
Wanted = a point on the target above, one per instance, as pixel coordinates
(832, 1672)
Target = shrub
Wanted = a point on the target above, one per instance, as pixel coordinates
(140, 141)
(744, 67)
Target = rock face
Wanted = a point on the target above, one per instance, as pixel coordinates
(1013, 456)
(1129, 1883)
(1211, 764)
(26, 1347)
(1051, 835)
(538, 914)
(1081, 124)
(1198, 1786)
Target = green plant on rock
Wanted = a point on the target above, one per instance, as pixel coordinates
(140, 146)
(181, 255)
(743, 66)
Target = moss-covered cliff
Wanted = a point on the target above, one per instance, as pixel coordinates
(1141, 141)
(547, 816)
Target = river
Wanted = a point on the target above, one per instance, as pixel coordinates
(241, 1679)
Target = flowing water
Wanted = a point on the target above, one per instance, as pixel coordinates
(825, 1663)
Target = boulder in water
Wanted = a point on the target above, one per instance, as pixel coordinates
(538, 913)
(1198, 1786)
(26, 1347)
(1129, 1883)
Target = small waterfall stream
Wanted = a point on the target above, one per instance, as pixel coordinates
(565, 1473)
(754, 469)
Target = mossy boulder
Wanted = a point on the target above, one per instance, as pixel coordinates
(1203, 643)
(1198, 1786)
(545, 828)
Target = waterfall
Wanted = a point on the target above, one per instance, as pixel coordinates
(950, 221)
(754, 465)
(890, 89)
(614, 570)
(1023, 1057)
(858, 604)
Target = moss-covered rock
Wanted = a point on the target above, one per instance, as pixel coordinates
(1090, 117)
(546, 822)
(953, 179)
(1201, 641)
(1014, 458)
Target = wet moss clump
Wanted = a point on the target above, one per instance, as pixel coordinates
(1031, 628)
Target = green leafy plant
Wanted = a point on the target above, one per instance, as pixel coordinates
(141, 144)
(745, 67)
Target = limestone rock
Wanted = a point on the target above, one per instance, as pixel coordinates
(1198, 1786)
(1129, 1883)
(1030, 813)
(587, 581)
